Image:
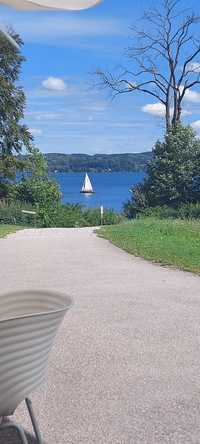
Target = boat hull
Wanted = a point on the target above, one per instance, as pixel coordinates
(87, 192)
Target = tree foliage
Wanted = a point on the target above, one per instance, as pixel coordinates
(36, 188)
(14, 135)
(36, 164)
(173, 175)
(36, 191)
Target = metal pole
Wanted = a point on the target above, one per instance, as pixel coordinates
(102, 213)
(33, 420)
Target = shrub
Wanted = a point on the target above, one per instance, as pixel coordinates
(77, 216)
(4, 190)
(131, 210)
(185, 211)
(11, 213)
(67, 216)
(36, 191)
(92, 217)
(189, 211)
(163, 212)
(41, 193)
(57, 215)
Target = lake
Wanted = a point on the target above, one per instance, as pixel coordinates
(111, 189)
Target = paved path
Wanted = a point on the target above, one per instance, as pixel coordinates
(125, 368)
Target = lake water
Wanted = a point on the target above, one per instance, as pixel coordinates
(111, 189)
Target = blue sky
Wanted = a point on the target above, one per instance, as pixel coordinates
(65, 111)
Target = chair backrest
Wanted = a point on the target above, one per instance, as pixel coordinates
(29, 321)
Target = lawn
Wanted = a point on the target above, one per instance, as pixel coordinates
(168, 242)
(7, 229)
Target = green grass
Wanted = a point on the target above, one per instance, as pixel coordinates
(7, 229)
(168, 242)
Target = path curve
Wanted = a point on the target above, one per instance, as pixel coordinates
(125, 368)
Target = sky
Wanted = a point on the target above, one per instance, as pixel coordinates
(66, 109)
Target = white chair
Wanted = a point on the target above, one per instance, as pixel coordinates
(29, 321)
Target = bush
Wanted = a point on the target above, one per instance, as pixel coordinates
(57, 215)
(131, 210)
(77, 216)
(163, 212)
(186, 211)
(92, 217)
(41, 192)
(4, 190)
(67, 216)
(189, 211)
(11, 213)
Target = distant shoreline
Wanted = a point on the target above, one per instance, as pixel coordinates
(97, 163)
(95, 172)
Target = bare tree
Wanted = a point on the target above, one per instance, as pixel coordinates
(164, 60)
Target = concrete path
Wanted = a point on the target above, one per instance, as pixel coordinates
(125, 368)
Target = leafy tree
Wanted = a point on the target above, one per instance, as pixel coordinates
(36, 164)
(14, 135)
(173, 175)
(36, 191)
(36, 188)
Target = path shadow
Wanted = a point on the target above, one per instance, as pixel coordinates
(11, 437)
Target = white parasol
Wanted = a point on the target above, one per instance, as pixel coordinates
(34, 5)
(73, 5)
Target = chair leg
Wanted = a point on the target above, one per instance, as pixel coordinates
(33, 420)
(13, 425)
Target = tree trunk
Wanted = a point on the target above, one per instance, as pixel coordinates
(168, 119)
(179, 112)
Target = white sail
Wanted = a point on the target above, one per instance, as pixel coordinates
(87, 186)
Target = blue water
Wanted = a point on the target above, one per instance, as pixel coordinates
(111, 189)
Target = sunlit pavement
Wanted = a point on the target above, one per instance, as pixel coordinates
(125, 366)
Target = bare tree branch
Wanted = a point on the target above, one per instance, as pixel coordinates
(163, 57)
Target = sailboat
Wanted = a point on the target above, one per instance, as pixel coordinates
(87, 186)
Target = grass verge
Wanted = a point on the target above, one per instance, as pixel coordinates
(168, 242)
(8, 229)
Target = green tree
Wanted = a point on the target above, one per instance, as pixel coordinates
(173, 175)
(37, 189)
(36, 164)
(14, 135)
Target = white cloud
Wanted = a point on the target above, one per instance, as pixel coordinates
(185, 112)
(54, 84)
(192, 96)
(196, 125)
(156, 109)
(36, 131)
